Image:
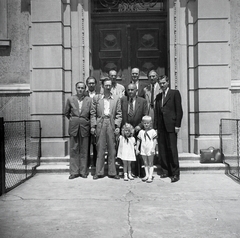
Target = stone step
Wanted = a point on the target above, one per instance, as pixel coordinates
(185, 166)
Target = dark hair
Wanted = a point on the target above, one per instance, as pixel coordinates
(152, 70)
(80, 82)
(162, 77)
(91, 77)
(106, 79)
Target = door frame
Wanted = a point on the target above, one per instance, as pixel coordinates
(126, 18)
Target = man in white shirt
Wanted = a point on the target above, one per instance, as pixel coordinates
(77, 110)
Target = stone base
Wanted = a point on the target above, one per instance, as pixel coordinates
(54, 147)
(203, 142)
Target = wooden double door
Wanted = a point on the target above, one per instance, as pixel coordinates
(125, 43)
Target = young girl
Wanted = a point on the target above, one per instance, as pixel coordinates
(147, 139)
(126, 150)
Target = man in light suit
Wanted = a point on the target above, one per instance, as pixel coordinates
(135, 118)
(106, 118)
(168, 117)
(77, 110)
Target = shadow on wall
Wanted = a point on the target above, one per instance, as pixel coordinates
(5, 51)
(25, 6)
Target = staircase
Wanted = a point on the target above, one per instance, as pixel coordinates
(189, 163)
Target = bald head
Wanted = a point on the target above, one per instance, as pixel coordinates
(132, 90)
(135, 74)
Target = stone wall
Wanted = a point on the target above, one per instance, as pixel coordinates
(14, 60)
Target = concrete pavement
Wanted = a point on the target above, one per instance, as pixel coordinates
(51, 205)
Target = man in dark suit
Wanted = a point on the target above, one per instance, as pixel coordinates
(77, 110)
(135, 73)
(168, 117)
(139, 107)
(91, 92)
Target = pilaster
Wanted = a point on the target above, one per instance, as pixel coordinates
(208, 70)
(50, 66)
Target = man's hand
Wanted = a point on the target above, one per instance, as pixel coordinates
(177, 129)
(137, 128)
(93, 131)
(117, 131)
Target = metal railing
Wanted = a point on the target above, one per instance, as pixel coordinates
(22, 151)
(229, 143)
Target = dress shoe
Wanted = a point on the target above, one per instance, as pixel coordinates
(114, 176)
(163, 176)
(73, 176)
(175, 178)
(84, 176)
(95, 177)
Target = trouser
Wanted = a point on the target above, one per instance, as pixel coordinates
(106, 140)
(78, 154)
(92, 148)
(168, 153)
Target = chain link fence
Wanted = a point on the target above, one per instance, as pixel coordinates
(22, 145)
(229, 139)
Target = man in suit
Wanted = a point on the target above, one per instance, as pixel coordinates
(77, 110)
(91, 92)
(106, 118)
(151, 91)
(135, 73)
(91, 84)
(168, 117)
(134, 117)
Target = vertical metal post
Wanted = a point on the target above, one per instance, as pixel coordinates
(2, 158)
(238, 146)
(25, 149)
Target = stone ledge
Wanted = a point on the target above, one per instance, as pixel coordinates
(5, 43)
(14, 88)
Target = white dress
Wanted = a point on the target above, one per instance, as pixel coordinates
(147, 141)
(126, 149)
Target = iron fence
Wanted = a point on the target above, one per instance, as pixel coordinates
(22, 150)
(229, 142)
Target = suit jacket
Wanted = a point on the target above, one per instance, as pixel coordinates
(148, 96)
(97, 112)
(78, 120)
(170, 114)
(139, 112)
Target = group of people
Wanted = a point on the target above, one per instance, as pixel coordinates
(127, 123)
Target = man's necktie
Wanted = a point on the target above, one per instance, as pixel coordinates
(152, 96)
(163, 97)
(130, 113)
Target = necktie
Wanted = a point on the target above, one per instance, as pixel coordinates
(130, 113)
(163, 97)
(152, 96)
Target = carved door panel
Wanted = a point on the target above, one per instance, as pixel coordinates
(110, 49)
(132, 44)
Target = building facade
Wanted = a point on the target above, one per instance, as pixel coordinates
(46, 46)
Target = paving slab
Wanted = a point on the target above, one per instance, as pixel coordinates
(51, 205)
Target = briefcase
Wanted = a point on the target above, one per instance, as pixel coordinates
(211, 155)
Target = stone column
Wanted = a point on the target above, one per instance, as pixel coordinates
(208, 70)
(50, 71)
